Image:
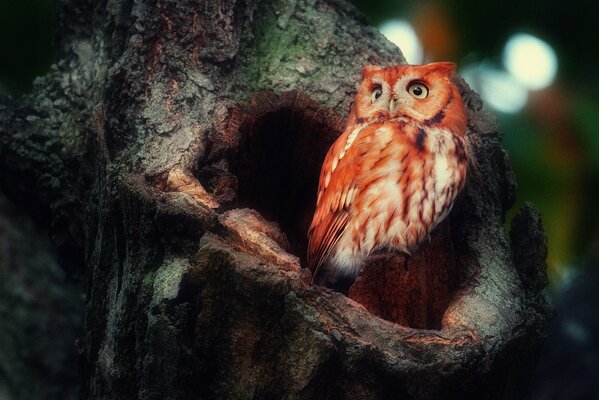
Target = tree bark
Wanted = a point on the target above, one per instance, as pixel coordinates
(174, 151)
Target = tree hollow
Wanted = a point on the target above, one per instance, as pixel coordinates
(278, 144)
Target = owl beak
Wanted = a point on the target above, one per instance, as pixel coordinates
(393, 104)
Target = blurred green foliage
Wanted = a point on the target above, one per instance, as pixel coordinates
(482, 27)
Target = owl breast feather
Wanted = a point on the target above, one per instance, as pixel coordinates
(404, 180)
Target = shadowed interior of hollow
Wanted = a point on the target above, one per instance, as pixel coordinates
(278, 164)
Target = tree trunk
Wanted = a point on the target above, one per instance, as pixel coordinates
(174, 151)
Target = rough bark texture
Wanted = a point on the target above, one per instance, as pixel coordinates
(175, 150)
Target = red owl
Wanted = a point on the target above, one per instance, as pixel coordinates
(394, 174)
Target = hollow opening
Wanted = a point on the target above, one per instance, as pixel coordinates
(281, 150)
(276, 152)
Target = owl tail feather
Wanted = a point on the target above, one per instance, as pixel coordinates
(327, 275)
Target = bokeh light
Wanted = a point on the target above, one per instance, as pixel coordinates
(499, 89)
(530, 60)
(401, 33)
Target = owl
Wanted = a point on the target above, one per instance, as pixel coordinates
(394, 173)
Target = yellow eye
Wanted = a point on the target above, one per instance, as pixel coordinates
(376, 93)
(418, 90)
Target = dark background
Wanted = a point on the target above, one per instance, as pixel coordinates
(553, 140)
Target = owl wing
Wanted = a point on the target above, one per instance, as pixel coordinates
(336, 190)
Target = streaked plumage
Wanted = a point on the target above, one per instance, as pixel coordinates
(394, 173)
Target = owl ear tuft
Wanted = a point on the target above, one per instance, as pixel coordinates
(369, 69)
(444, 67)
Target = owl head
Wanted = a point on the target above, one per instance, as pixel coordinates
(422, 93)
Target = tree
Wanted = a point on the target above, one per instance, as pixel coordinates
(162, 143)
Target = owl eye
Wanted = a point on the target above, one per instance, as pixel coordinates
(418, 90)
(376, 93)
